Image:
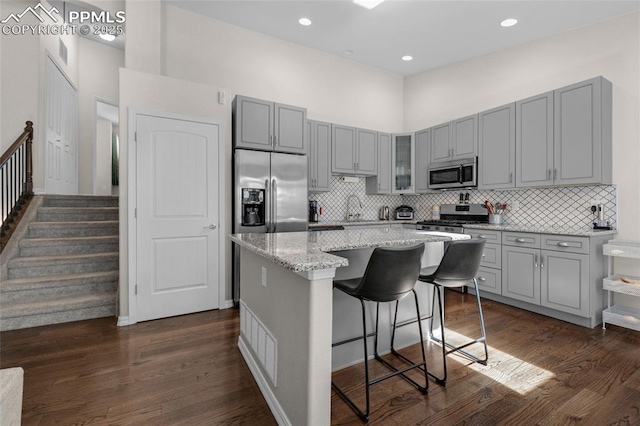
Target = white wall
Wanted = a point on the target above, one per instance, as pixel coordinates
(98, 80)
(610, 48)
(208, 51)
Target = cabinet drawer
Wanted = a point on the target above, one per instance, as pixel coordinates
(490, 236)
(566, 243)
(521, 239)
(489, 280)
(492, 256)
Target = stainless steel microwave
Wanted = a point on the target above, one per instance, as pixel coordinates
(454, 174)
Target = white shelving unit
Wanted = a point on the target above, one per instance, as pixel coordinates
(623, 316)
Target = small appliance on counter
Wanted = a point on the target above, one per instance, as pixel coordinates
(404, 213)
(313, 211)
(384, 213)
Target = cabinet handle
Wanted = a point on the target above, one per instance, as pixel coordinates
(483, 255)
(535, 260)
(520, 240)
(482, 236)
(511, 177)
(548, 174)
(563, 244)
(482, 279)
(541, 261)
(275, 140)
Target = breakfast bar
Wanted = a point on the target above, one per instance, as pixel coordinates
(289, 313)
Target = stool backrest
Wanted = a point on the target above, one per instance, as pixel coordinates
(391, 273)
(460, 263)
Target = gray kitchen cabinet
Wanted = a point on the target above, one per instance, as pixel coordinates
(521, 274)
(534, 141)
(403, 163)
(582, 133)
(489, 275)
(381, 183)
(423, 146)
(497, 147)
(455, 140)
(269, 126)
(354, 151)
(564, 283)
(319, 156)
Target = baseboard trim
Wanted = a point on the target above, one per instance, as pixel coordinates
(261, 380)
(226, 304)
(124, 320)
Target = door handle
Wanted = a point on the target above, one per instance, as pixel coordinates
(535, 260)
(267, 200)
(274, 204)
(211, 226)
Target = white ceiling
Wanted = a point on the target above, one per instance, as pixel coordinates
(435, 33)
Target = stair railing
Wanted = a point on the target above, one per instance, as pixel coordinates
(16, 182)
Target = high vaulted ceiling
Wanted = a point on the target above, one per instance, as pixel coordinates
(435, 33)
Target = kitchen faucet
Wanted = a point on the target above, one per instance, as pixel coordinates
(350, 214)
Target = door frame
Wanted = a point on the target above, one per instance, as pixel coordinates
(132, 185)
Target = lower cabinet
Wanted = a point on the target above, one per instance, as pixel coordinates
(521, 274)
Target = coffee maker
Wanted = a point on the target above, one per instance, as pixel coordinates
(313, 211)
(253, 204)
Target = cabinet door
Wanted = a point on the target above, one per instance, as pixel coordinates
(403, 160)
(441, 143)
(343, 149)
(534, 141)
(290, 129)
(464, 137)
(521, 274)
(582, 115)
(489, 280)
(496, 161)
(564, 283)
(311, 154)
(384, 163)
(322, 133)
(253, 123)
(366, 152)
(423, 141)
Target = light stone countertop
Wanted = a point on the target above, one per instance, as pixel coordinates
(308, 251)
(362, 222)
(555, 230)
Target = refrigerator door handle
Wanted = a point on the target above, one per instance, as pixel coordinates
(267, 219)
(274, 204)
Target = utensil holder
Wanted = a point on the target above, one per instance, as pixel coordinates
(495, 219)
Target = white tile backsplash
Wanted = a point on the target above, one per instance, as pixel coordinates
(544, 207)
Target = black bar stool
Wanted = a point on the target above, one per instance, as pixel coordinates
(458, 267)
(391, 274)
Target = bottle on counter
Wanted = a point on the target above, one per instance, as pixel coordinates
(435, 212)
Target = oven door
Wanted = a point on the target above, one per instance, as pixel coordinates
(458, 174)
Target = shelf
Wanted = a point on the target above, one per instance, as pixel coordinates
(622, 316)
(622, 248)
(613, 283)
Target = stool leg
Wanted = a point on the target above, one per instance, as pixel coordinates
(436, 290)
(483, 339)
(424, 355)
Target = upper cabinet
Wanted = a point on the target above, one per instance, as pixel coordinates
(354, 151)
(582, 133)
(534, 141)
(381, 183)
(319, 137)
(497, 148)
(403, 163)
(423, 144)
(455, 140)
(268, 126)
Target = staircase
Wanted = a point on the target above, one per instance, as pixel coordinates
(66, 268)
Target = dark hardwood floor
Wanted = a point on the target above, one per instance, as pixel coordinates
(188, 371)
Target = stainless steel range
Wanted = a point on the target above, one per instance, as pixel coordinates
(453, 217)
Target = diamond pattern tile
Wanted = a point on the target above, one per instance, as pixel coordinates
(538, 207)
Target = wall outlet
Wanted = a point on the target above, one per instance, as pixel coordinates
(264, 277)
(222, 99)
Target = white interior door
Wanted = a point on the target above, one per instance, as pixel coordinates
(177, 216)
(61, 134)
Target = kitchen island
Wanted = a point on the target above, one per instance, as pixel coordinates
(288, 312)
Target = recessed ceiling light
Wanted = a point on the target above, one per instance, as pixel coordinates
(509, 22)
(407, 58)
(304, 21)
(107, 37)
(368, 4)
(348, 52)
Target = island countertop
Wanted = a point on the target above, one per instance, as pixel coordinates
(308, 251)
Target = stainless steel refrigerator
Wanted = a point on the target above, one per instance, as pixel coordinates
(269, 195)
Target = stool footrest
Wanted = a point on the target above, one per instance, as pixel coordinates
(459, 349)
(353, 339)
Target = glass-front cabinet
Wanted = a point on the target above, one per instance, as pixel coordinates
(403, 163)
